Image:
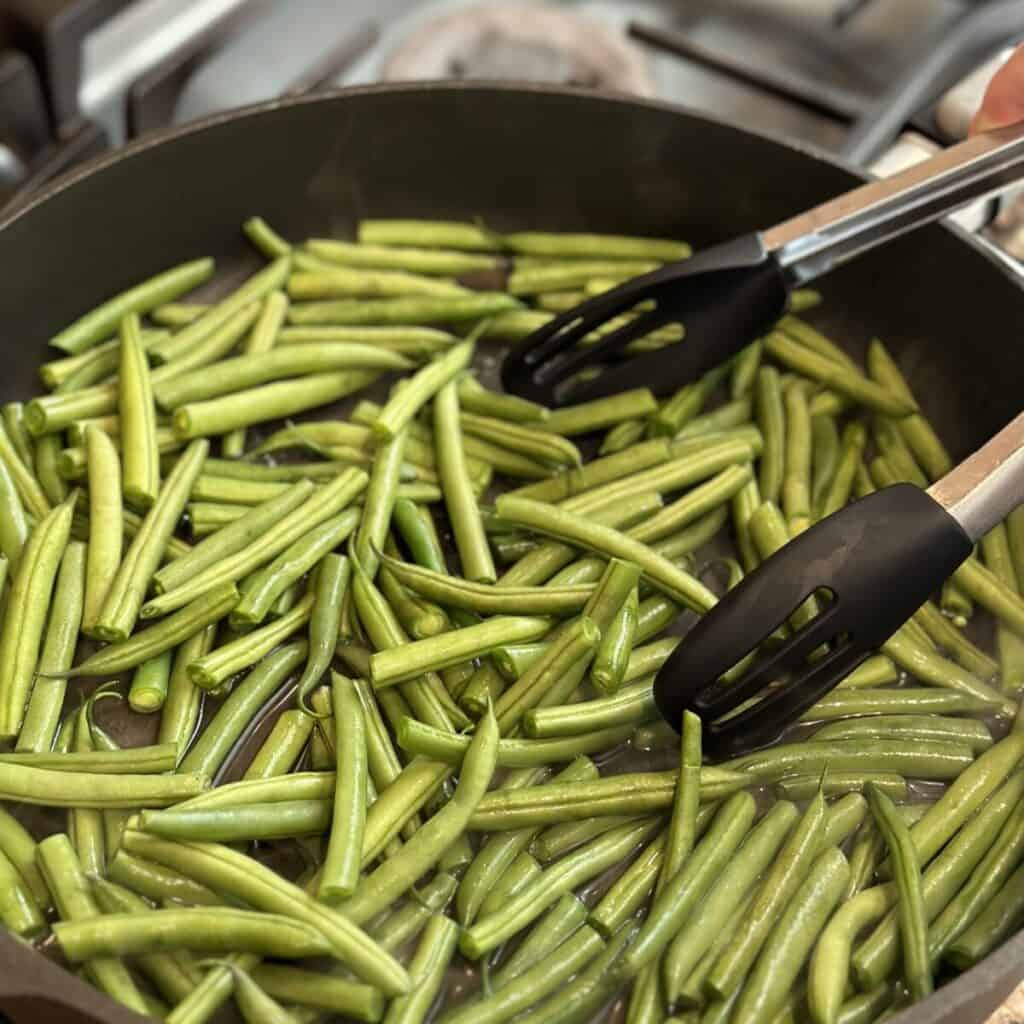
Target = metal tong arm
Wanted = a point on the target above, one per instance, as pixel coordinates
(986, 487)
(813, 242)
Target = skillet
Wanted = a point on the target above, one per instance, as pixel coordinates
(518, 157)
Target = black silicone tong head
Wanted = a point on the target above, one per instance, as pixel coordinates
(725, 297)
(876, 561)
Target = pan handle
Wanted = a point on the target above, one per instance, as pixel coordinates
(35, 990)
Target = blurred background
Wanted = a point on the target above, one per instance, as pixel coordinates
(880, 82)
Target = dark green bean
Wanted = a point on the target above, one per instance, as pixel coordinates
(340, 874)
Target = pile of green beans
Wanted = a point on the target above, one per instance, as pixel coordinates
(447, 752)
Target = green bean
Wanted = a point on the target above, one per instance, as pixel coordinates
(243, 878)
(796, 482)
(67, 882)
(282, 819)
(340, 875)
(916, 431)
(831, 958)
(681, 890)
(149, 760)
(631, 706)
(718, 424)
(233, 716)
(406, 401)
(454, 592)
(542, 277)
(26, 611)
(562, 921)
(984, 883)
(587, 993)
(417, 738)
(913, 925)
(852, 445)
(843, 379)
(631, 793)
(553, 677)
(201, 929)
(169, 974)
(400, 871)
(348, 282)
(678, 472)
(14, 528)
(47, 697)
(233, 491)
(555, 841)
(150, 682)
(400, 926)
(599, 472)
(801, 331)
(158, 883)
(499, 851)
(1000, 919)
(523, 870)
(904, 700)
(771, 419)
(165, 287)
(420, 261)
(182, 707)
(972, 787)
(924, 760)
(19, 910)
(878, 955)
(744, 370)
(320, 991)
(140, 456)
(265, 238)
(611, 659)
(474, 397)
(264, 367)
(191, 338)
(604, 540)
(623, 435)
(631, 889)
(217, 985)
(47, 454)
(800, 787)
(926, 727)
(463, 513)
(533, 441)
(585, 863)
(215, 668)
(127, 590)
(321, 504)
(425, 692)
(930, 667)
(696, 503)
(331, 583)
(945, 635)
(266, 402)
(686, 403)
(253, 525)
(735, 881)
(414, 341)
(538, 979)
(19, 848)
(283, 746)
(401, 664)
(380, 499)
(600, 413)
(255, 1005)
(793, 938)
(164, 636)
(261, 590)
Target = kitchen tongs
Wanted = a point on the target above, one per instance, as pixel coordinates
(731, 294)
(871, 565)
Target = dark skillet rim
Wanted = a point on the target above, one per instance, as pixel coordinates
(997, 965)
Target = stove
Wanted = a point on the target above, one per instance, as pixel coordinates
(851, 76)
